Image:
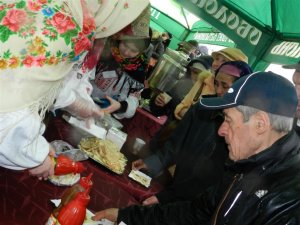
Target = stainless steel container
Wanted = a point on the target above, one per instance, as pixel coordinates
(170, 68)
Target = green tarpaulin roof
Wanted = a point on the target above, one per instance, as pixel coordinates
(168, 15)
(267, 31)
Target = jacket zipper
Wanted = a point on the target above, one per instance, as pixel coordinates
(223, 199)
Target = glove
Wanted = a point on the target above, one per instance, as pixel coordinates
(82, 108)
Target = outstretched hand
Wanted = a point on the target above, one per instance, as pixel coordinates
(138, 164)
(151, 200)
(114, 105)
(44, 170)
(160, 100)
(109, 214)
(84, 109)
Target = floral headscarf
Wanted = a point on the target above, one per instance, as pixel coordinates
(135, 67)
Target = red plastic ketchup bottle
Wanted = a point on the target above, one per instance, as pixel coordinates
(75, 211)
(84, 184)
(65, 165)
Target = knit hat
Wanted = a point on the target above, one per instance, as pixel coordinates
(265, 91)
(199, 66)
(233, 54)
(206, 61)
(293, 66)
(203, 50)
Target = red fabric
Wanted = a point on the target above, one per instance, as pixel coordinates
(26, 200)
(58, 129)
(136, 190)
(143, 125)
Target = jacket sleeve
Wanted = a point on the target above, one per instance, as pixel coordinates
(22, 145)
(205, 78)
(158, 110)
(166, 156)
(179, 213)
(198, 211)
(132, 104)
(74, 86)
(187, 101)
(208, 170)
(282, 208)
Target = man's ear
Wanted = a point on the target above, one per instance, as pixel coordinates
(262, 122)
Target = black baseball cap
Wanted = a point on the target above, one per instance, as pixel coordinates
(266, 91)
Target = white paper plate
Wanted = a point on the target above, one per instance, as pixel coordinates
(140, 177)
(65, 180)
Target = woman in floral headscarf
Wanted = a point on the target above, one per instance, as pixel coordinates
(41, 44)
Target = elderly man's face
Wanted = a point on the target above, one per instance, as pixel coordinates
(296, 80)
(240, 136)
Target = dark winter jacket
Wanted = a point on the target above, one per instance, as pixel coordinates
(182, 87)
(297, 125)
(263, 189)
(198, 152)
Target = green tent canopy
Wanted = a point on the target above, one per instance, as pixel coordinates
(266, 30)
(162, 22)
(206, 34)
(168, 15)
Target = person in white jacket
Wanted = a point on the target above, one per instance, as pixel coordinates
(44, 43)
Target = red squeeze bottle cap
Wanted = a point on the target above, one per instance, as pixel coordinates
(86, 182)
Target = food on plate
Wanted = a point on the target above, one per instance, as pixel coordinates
(105, 152)
(65, 180)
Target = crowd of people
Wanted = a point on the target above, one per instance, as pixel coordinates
(261, 183)
(235, 146)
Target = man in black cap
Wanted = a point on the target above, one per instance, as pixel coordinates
(296, 80)
(262, 185)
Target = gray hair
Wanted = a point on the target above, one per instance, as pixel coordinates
(279, 123)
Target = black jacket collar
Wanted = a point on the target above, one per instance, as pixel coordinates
(285, 147)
